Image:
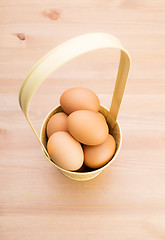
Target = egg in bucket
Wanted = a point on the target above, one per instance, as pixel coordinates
(55, 59)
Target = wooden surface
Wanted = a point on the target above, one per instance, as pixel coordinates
(127, 200)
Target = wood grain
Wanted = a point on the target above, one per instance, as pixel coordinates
(127, 200)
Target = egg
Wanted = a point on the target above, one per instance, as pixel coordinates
(102, 116)
(58, 122)
(65, 151)
(97, 156)
(79, 98)
(88, 127)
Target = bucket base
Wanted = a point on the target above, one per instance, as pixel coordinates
(81, 177)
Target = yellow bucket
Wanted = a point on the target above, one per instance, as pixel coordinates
(55, 59)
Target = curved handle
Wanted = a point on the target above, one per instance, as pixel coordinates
(64, 53)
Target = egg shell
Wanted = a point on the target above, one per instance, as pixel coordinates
(98, 156)
(58, 122)
(102, 116)
(87, 127)
(65, 151)
(79, 98)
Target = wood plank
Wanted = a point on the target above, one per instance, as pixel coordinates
(126, 201)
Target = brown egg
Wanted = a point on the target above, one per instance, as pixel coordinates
(79, 98)
(87, 127)
(58, 122)
(98, 156)
(102, 116)
(65, 151)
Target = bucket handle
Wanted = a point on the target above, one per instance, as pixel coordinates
(64, 53)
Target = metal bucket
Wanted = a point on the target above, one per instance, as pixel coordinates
(56, 58)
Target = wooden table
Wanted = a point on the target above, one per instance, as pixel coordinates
(127, 200)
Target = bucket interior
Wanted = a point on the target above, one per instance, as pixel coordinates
(115, 132)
